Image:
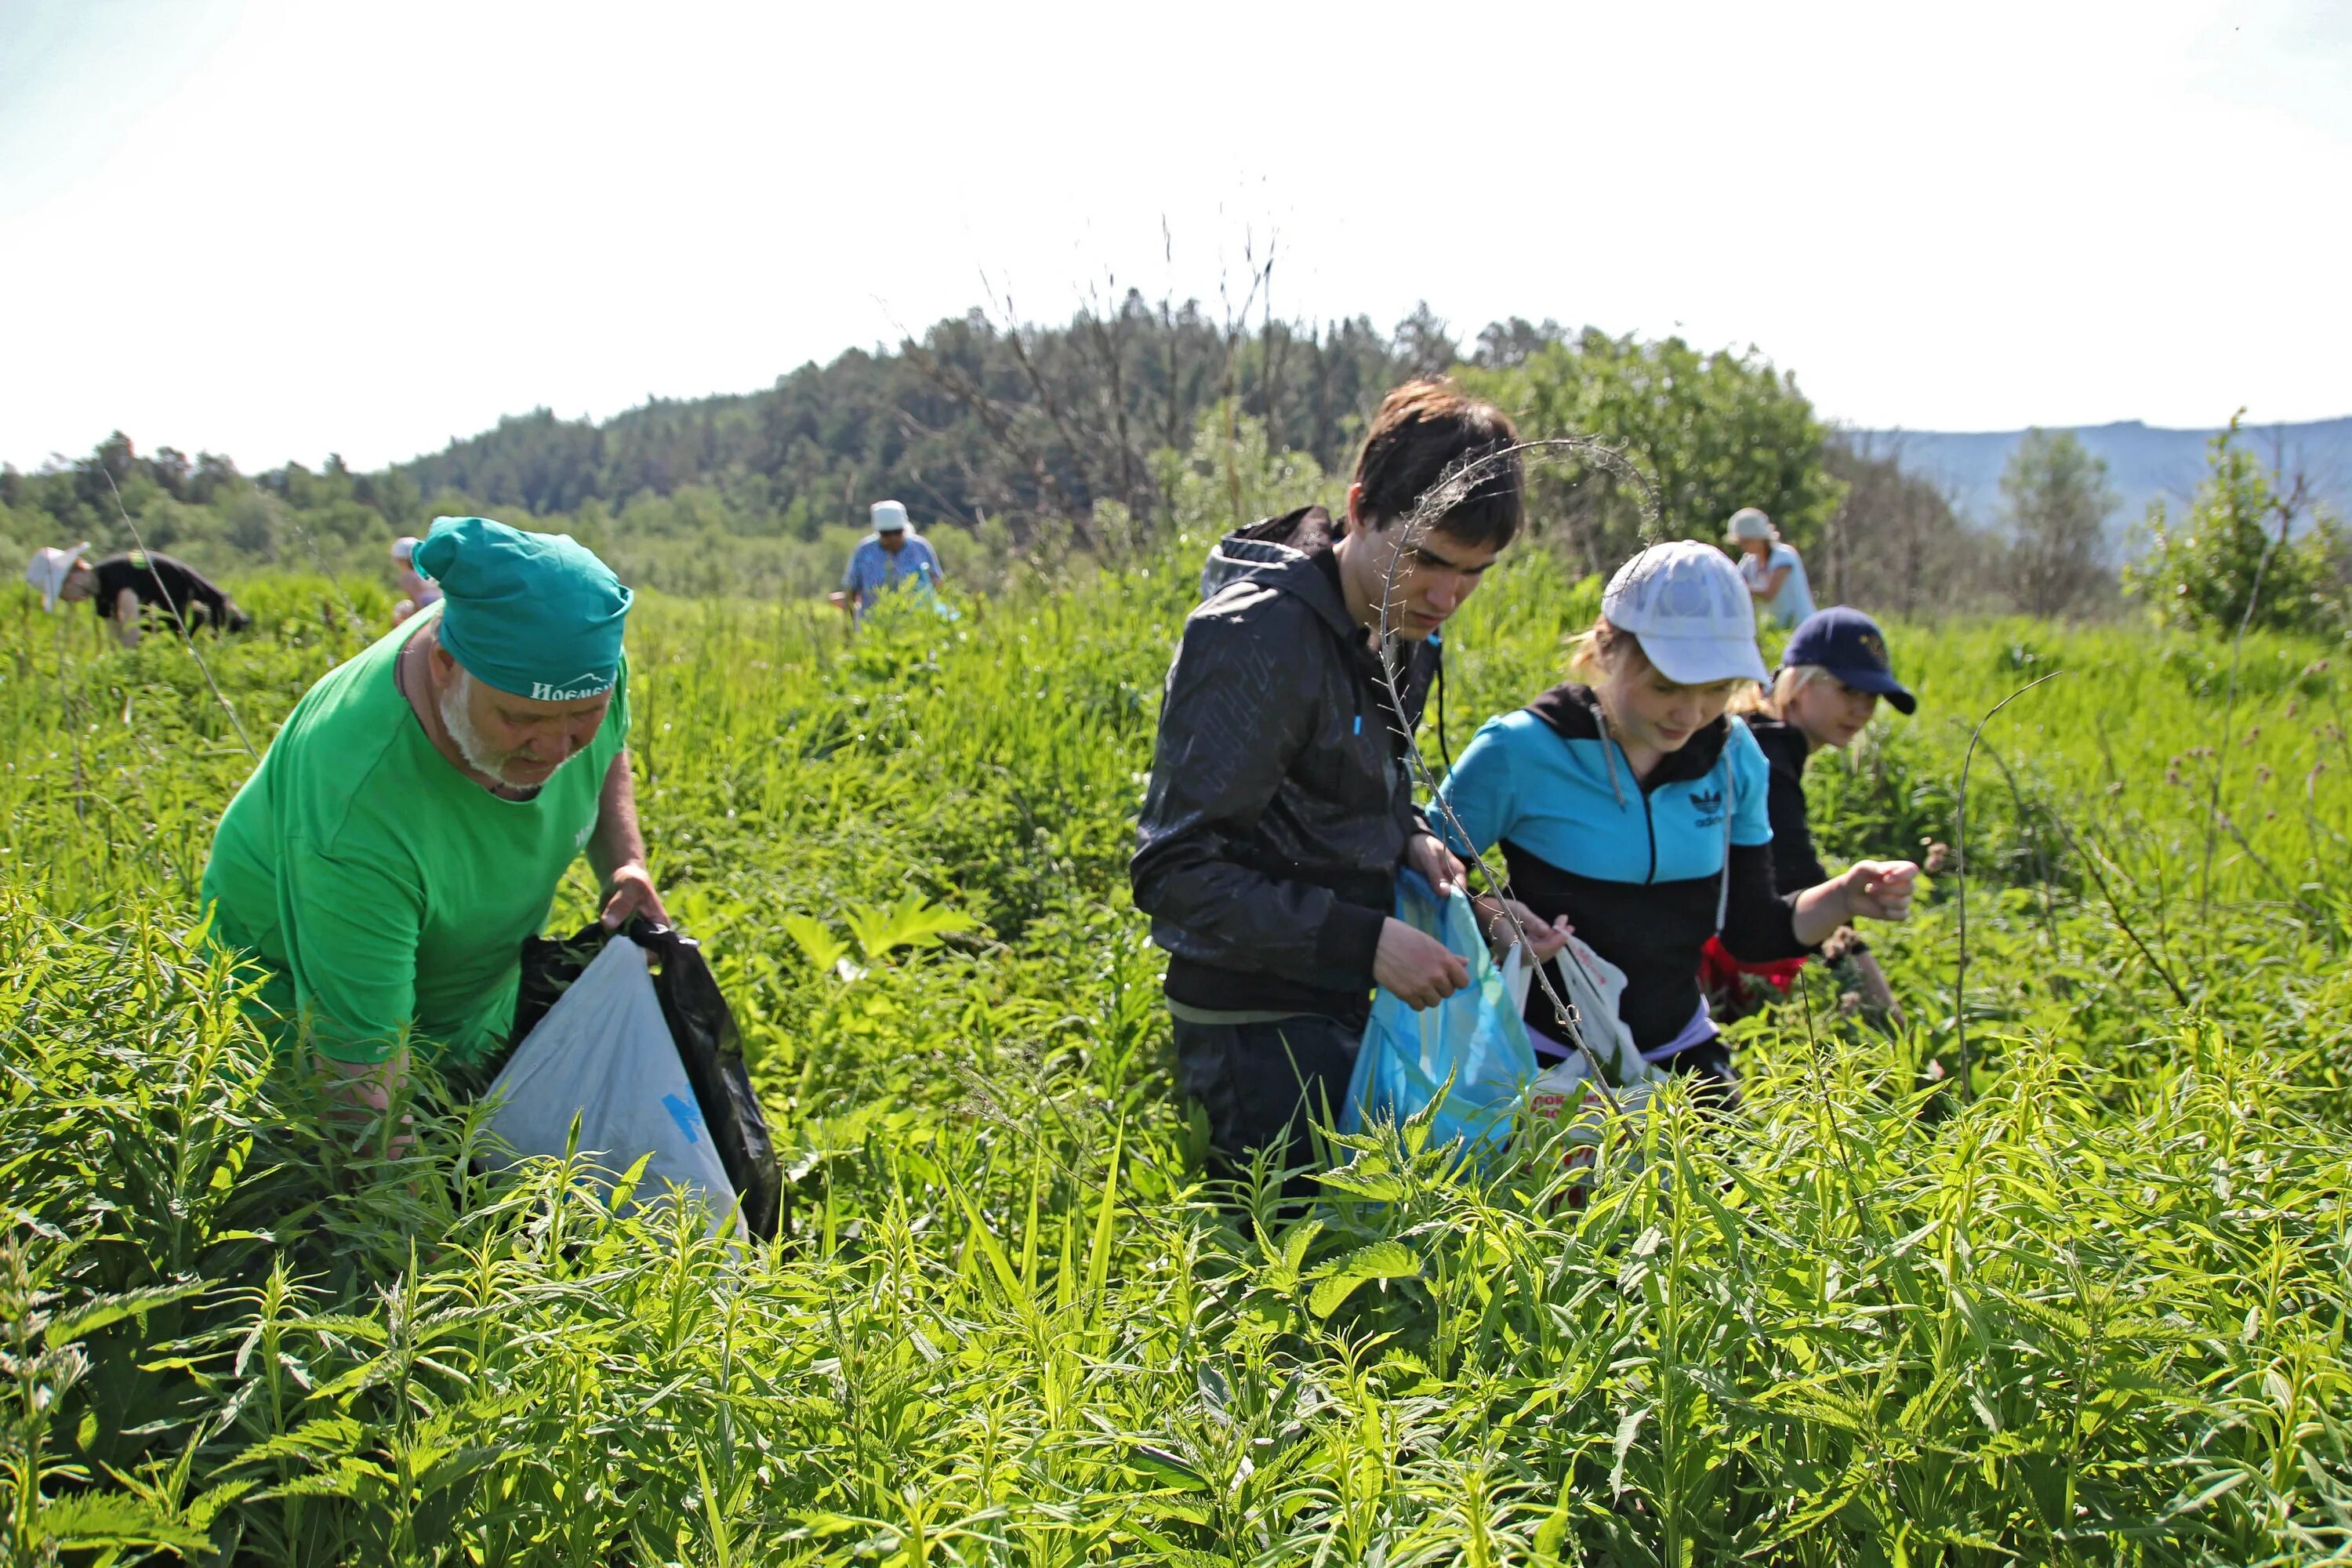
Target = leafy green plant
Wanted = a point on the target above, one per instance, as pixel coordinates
(2235, 559)
(2097, 1315)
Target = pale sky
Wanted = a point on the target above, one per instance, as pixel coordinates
(278, 229)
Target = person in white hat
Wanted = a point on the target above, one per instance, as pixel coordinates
(1771, 566)
(122, 587)
(415, 593)
(51, 569)
(1633, 810)
(892, 554)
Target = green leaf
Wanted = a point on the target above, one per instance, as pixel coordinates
(997, 1260)
(97, 1313)
(110, 1519)
(824, 949)
(1381, 1261)
(1294, 1244)
(913, 922)
(1628, 1427)
(1154, 1461)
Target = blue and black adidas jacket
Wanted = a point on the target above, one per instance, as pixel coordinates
(1637, 867)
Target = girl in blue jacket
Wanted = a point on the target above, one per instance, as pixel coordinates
(1633, 810)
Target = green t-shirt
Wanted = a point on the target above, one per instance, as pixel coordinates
(387, 894)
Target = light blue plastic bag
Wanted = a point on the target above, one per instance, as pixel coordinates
(931, 593)
(1475, 1037)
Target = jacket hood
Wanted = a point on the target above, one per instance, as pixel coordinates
(1279, 552)
(1572, 711)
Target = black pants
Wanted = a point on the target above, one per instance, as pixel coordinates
(1259, 1084)
(1714, 1084)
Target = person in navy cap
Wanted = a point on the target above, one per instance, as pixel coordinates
(1832, 674)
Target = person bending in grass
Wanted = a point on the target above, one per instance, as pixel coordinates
(407, 831)
(1280, 807)
(1831, 675)
(124, 588)
(1634, 811)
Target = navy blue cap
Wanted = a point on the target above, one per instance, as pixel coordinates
(1849, 645)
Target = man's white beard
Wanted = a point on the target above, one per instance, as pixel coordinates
(480, 755)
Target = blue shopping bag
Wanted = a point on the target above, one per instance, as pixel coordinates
(1469, 1054)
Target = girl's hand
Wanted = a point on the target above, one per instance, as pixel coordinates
(1545, 938)
(1880, 890)
(1438, 865)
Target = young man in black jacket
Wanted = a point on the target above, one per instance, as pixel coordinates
(1281, 804)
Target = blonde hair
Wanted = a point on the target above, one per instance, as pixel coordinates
(1599, 647)
(1774, 701)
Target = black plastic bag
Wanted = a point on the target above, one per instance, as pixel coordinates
(709, 1046)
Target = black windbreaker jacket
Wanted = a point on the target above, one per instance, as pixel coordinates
(1280, 801)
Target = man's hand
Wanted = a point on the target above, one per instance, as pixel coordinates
(1437, 864)
(1545, 938)
(1416, 967)
(629, 890)
(362, 1091)
(1880, 890)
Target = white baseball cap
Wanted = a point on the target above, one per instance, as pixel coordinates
(1750, 522)
(1685, 605)
(50, 568)
(890, 517)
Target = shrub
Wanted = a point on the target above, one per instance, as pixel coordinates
(2236, 559)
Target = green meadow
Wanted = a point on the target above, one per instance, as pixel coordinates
(2058, 1273)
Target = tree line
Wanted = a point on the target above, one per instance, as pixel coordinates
(1016, 445)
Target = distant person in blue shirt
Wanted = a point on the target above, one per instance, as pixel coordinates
(893, 553)
(1771, 568)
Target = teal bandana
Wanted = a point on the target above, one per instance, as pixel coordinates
(535, 615)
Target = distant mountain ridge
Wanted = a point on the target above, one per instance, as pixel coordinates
(2144, 462)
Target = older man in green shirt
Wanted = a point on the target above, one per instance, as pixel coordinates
(408, 827)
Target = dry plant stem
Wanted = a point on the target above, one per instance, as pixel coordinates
(2267, 870)
(1063, 424)
(998, 424)
(2090, 863)
(1450, 492)
(1114, 359)
(1960, 872)
(2229, 715)
(1828, 1108)
(2041, 861)
(188, 638)
(73, 728)
(351, 611)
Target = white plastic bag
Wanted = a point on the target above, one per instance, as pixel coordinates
(1563, 1092)
(1596, 988)
(1518, 978)
(603, 1055)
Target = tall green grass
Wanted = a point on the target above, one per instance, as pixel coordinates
(2089, 1305)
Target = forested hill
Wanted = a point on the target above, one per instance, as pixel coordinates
(975, 419)
(1017, 446)
(1022, 447)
